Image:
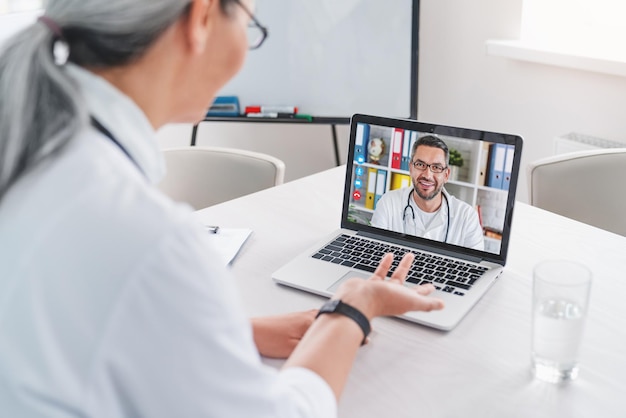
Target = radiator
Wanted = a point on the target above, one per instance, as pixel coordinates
(578, 142)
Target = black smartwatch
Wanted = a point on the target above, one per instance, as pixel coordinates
(337, 306)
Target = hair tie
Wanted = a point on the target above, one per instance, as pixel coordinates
(52, 25)
(60, 48)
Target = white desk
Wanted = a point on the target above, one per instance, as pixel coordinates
(481, 368)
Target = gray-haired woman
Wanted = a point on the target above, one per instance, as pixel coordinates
(110, 302)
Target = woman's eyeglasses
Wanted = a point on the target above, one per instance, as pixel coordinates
(257, 33)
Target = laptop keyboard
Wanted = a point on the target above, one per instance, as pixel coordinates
(446, 274)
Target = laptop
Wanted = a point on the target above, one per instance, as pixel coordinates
(462, 265)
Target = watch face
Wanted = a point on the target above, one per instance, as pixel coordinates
(331, 305)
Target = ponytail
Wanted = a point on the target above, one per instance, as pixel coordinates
(40, 107)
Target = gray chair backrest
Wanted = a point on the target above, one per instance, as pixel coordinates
(588, 186)
(205, 176)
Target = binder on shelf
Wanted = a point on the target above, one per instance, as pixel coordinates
(508, 166)
(406, 150)
(371, 188)
(396, 148)
(399, 181)
(497, 157)
(482, 169)
(414, 139)
(360, 142)
(381, 186)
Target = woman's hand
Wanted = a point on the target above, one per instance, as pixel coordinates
(277, 336)
(330, 347)
(379, 297)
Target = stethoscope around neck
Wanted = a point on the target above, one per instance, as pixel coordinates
(104, 131)
(408, 206)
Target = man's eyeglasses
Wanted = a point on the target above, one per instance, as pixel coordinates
(435, 168)
(257, 33)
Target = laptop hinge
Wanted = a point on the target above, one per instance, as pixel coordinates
(422, 247)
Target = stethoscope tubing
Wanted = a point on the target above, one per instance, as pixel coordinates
(408, 206)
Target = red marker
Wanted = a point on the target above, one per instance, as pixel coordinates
(271, 109)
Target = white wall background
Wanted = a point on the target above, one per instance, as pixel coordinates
(460, 85)
(305, 148)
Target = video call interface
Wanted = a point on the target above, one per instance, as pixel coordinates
(479, 176)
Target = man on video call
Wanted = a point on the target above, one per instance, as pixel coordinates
(426, 209)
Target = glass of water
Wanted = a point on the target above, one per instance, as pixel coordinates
(560, 301)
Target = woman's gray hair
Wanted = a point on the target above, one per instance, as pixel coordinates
(41, 108)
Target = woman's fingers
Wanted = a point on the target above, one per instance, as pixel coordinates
(383, 267)
(399, 274)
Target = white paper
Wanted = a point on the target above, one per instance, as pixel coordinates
(228, 241)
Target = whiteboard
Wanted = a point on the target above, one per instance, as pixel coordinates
(333, 58)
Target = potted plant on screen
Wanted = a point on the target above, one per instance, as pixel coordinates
(456, 162)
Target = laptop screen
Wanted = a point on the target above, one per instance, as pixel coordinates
(434, 185)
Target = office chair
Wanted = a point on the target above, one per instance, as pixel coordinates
(205, 176)
(587, 186)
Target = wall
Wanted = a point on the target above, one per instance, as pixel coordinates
(11, 23)
(305, 148)
(460, 85)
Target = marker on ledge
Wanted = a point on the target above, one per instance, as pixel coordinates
(271, 109)
(303, 116)
(271, 115)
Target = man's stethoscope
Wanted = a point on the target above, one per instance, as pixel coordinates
(408, 206)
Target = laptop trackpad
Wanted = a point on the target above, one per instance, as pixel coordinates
(348, 275)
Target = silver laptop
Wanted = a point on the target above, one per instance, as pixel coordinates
(461, 249)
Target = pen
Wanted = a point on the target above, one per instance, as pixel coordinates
(303, 116)
(271, 109)
(262, 115)
(212, 228)
(271, 115)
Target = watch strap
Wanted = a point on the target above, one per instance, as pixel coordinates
(339, 307)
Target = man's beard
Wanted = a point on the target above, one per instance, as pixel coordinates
(430, 196)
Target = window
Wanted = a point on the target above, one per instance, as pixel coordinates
(581, 34)
(592, 28)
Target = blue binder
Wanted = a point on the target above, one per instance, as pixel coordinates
(497, 158)
(508, 167)
(406, 149)
(360, 142)
(381, 186)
